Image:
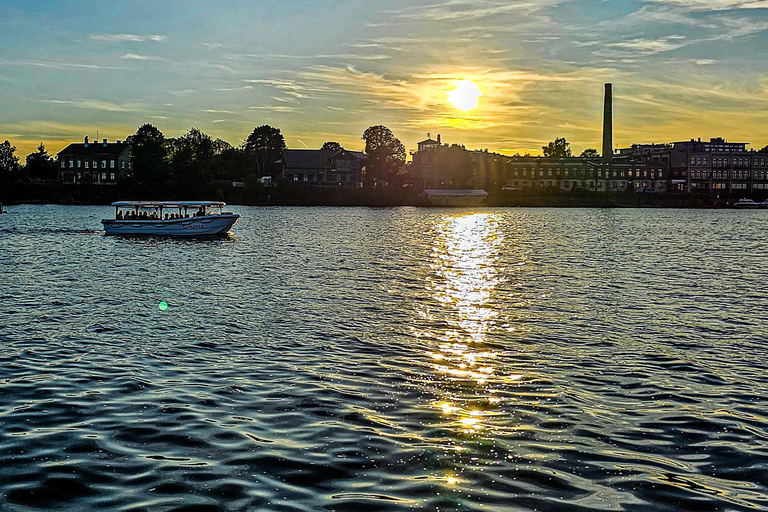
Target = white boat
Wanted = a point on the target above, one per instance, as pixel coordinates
(170, 218)
(745, 203)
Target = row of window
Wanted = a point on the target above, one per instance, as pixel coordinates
(723, 162)
(85, 163)
(95, 176)
(632, 173)
(582, 184)
(736, 175)
(348, 178)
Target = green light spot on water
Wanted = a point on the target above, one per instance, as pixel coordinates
(163, 306)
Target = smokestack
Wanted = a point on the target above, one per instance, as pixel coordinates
(438, 138)
(105, 142)
(608, 123)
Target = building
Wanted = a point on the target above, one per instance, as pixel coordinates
(102, 163)
(324, 167)
(718, 168)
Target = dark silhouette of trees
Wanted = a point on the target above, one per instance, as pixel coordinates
(149, 150)
(764, 150)
(559, 148)
(386, 155)
(332, 146)
(590, 153)
(191, 156)
(264, 146)
(9, 163)
(40, 165)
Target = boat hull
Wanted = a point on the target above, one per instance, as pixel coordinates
(210, 225)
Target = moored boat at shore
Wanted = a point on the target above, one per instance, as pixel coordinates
(745, 203)
(170, 218)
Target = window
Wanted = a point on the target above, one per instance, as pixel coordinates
(103, 176)
(111, 164)
(79, 163)
(549, 173)
(95, 164)
(103, 164)
(71, 164)
(63, 164)
(122, 164)
(86, 164)
(112, 176)
(566, 184)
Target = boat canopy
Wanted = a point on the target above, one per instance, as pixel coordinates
(167, 204)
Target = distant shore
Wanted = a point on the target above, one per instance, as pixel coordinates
(55, 193)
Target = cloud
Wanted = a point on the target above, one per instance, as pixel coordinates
(55, 64)
(134, 56)
(98, 105)
(133, 38)
(714, 5)
(652, 46)
(274, 108)
(464, 10)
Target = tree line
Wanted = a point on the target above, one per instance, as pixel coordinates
(196, 159)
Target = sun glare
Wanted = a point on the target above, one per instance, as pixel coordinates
(465, 95)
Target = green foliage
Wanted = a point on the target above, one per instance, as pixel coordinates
(332, 146)
(149, 152)
(559, 148)
(9, 163)
(386, 155)
(264, 146)
(590, 153)
(40, 165)
(190, 159)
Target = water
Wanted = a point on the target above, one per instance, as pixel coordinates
(386, 359)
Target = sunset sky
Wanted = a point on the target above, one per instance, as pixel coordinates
(326, 70)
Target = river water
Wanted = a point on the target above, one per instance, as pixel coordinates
(355, 359)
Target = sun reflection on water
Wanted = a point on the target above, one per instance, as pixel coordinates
(461, 316)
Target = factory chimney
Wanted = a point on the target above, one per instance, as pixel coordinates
(608, 123)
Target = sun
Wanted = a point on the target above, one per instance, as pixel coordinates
(465, 95)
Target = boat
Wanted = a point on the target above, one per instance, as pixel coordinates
(170, 218)
(763, 205)
(745, 203)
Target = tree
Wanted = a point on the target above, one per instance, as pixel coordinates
(386, 155)
(190, 160)
(149, 153)
(264, 146)
(40, 165)
(764, 150)
(590, 153)
(9, 163)
(559, 148)
(332, 146)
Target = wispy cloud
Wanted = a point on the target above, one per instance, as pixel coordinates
(274, 108)
(98, 105)
(56, 64)
(133, 38)
(470, 9)
(134, 56)
(714, 5)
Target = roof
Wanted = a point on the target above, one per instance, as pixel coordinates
(168, 204)
(307, 158)
(95, 148)
(443, 192)
(315, 158)
(427, 141)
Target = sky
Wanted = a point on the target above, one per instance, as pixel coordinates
(323, 70)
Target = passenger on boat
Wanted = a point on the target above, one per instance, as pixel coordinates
(119, 216)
